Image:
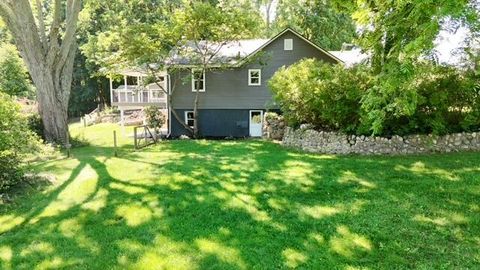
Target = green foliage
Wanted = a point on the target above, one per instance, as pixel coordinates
(16, 140)
(109, 25)
(327, 96)
(154, 116)
(35, 124)
(434, 99)
(10, 171)
(397, 30)
(317, 20)
(89, 89)
(145, 31)
(15, 135)
(14, 79)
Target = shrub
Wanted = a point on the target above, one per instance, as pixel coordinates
(429, 99)
(16, 140)
(324, 95)
(10, 171)
(14, 79)
(154, 117)
(407, 98)
(35, 124)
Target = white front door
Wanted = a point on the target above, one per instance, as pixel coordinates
(256, 123)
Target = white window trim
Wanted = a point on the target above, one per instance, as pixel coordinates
(289, 42)
(186, 117)
(259, 77)
(193, 80)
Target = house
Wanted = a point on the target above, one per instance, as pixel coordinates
(232, 101)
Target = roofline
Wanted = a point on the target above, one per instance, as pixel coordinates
(298, 35)
(245, 59)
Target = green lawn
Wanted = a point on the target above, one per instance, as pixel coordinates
(244, 204)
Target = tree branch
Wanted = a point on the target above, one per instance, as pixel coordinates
(73, 10)
(41, 23)
(54, 28)
(7, 13)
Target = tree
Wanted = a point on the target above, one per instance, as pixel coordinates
(14, 78)
(49, 56)
(393, 31)
(206, 29)
(197, 30)
(317, 20)
(399, 36)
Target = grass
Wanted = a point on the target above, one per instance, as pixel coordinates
(244, 205)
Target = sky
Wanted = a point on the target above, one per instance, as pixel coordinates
(447, 43)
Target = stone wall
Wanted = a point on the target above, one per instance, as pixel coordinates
(273, 126)
(338, 143)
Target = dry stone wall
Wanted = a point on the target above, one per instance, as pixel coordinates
(273, 126)
(338, 143)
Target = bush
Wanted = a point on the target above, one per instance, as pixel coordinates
(16, 141)
(10, 171)
(14, 79)
(432, 99)
(324, 95)
(35, 124)
(407, 98)
(154, 117)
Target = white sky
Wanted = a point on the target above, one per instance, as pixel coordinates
(448, 43)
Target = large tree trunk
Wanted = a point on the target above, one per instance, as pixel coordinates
(53, 92)
(49, 58)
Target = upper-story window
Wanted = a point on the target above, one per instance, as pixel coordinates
(288, 44)
(198, 81)
(254, 77)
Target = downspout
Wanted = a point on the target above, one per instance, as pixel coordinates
(168, 107)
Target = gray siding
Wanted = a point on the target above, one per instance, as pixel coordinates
(216, 123)
(229, 89)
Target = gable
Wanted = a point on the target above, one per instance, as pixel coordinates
(300, 44)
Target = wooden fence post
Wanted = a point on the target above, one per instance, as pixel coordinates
(115, 143)
(135, 137)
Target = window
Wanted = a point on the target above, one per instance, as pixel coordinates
(288, 44)
(254, 77)
(131, 80)
(198, 81)
(189, 118)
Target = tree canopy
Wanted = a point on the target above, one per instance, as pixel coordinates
(395, 31)
(318, 20)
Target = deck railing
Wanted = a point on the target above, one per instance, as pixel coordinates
(133, 94)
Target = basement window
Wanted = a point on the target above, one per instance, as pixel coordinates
(189, 118)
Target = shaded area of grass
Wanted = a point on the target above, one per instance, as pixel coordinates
(242, 205)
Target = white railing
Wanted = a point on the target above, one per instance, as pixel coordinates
(132, 94)
(139, 94)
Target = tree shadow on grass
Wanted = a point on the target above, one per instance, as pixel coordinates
(248, 204)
